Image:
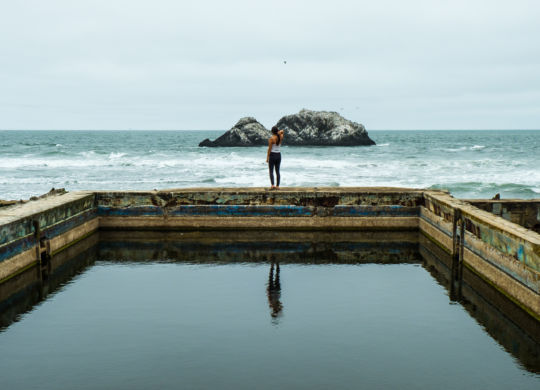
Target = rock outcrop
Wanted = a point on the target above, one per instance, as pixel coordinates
(246, 132)
(306, 128)
(322, 128)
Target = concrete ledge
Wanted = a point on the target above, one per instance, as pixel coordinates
(507, 237)
(17, 221)
(315, 197)
(56, 219)
(49, 232)
(28, 258)
(524, 212)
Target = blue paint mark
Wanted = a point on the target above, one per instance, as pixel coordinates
(524, 279)
(243, 211)
(210, 210)
(259, 211)
(375, 211)
(25, 243)
(16, 247)
(520, 253)
(23, 227)
(137, 211)
(69, 224)
(15, 230)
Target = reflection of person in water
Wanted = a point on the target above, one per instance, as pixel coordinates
(274, 292)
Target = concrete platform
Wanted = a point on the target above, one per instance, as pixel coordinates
(501, 252)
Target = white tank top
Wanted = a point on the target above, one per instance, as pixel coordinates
(276, 148)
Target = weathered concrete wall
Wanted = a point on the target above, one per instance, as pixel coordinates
(59, 220)
(523, 212)
(259, 208)
(503, 253)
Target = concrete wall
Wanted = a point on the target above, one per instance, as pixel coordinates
(57, 221)
(259, 208)
(504, 254)
(523, 212)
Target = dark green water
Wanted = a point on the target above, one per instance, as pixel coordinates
(170, 324)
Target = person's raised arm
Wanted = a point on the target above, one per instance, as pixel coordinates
(281, 134)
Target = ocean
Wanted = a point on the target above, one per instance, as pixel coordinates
(470, 164)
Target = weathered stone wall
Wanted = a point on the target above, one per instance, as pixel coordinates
(504, 254)
(523, 212)
(259, 208)
(57, 221)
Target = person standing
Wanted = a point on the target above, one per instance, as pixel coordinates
(273, 156)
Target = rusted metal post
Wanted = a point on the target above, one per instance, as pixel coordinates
(458, 229)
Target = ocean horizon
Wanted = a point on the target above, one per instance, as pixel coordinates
(468, 163)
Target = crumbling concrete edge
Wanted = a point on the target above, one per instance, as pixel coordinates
(65, 219)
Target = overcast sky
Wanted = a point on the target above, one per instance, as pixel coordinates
(173, 64)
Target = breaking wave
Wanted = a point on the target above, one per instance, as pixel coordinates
(477, 167)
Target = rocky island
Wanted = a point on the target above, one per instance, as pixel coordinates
(246, 132)
(306, 128)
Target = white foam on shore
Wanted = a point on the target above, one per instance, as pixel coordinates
(478, 168)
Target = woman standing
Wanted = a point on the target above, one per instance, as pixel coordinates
(273, 156)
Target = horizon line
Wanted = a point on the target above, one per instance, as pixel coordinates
(408, 129)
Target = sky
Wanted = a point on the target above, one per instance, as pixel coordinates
(188, 65)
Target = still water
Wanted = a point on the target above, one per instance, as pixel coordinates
(251, 316)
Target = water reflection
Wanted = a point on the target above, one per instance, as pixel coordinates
(24, 291)
(511, 327)
(514, 329)
(273, 291)
(260, 246)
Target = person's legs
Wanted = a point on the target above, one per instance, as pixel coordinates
(271, 168)
(278, 163)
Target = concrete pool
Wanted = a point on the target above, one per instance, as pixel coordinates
(249, 288)
(256, 309)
